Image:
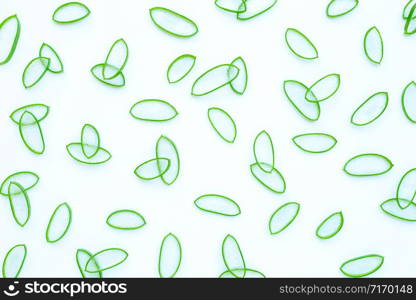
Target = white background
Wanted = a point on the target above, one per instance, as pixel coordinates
(210, 165)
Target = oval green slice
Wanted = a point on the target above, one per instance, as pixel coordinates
(59, 223)
(152, 168)
(70, 12)
(180, 67)
(26, 179)
(14, 261)
(324, 88)
(338, 8)
(223, 124)
(239, 84)
(40, 111)
(263, 151)
(125, 219)
(170, 256)
(75, 150)
(330, 226)
(368, 164)
(407, 8)
(82, 256)
(153, 110)
(373, 45)
(233, 6)
(410, 25)
(9, 37)
(295, 92)
(117, 81)
(218, 204)
(273, 181)
(90, 140)
(107, 259)
(233, 257)
(255, 8)
(300, 44)
(165, 147)
(249, 273)
(315, 142)
(283, 217)
(371, 109)
(406, 189)
(394, 208)
(214, 79)
(55, 63)
(19, 203)
(362, 266)
(409, 101)
(34, 71)
(172, 22)
(31, 135)
(117, 58)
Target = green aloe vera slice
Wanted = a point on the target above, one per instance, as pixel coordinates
(409, 101)
(90, 140)
(59, 223)
(406, 189)
(55, 63)
(40, 111)
(283, 217)
(117, 81)
(362, 266)
(214, 79)
(31, 135)
(330, 226)
(233, 257)
(180, 67)
(107, 259)
(19, 203)
(407, 8)
(273, 181)
(371, 109)
(223, 124)
(295, 92)
(324, 88)
(125, 219)
(263, 151)
(75, 151)
(70, 12)
(34, 71)
(233, 6)
(249, 273)
(315, 142)
(218, 204)
(9, 37)
(410, 25)
(338, 8)
(153, 110)
(239, 84)
(172, 22)
(368, 164)
(117, 58)
(165, 147)
(300, 44)
(82, 256)
(394, 208)
(149, 169)
(26, 179)
(14, 261)
(255, 8)
(373, 45)
(170, 256)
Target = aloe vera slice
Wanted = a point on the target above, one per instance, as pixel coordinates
(300, 44)
(172, 22)
(125, 219)
(82, 256)
(40, 111)
(239, 84)
(324, 88)
(263, 151)
(19, 203)
(371, 109)
(34, 71)
(394, 208)
(180, 67)
(273, 181)
(117, 81)
(233, 6)
(26, 179)
(373, 45)
(330, 226)
(90, 140)
(70, 12)
(75, 150)
(165, 147)
(410, 25)
(233, 256)
(218, 204)
(14, 261)
(406, 189)
(283, 217)
(409, 101)
(116, 58)
(149, 169)
(153, 110)
(59, 223)
(295, 92)
(315, 142)
(106, 259)
(248, 273)
(214, 79)
(338, 8)
(170, 256)
(255, 8)
(55, 63)
(407, 8)
(362, 266)
(9, 37)
(31, 135)
(223, 124)
(368, 164)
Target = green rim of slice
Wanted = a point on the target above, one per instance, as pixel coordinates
(161, 256)
(25, 139)
(12, 196)
(117, 69)
(276, 214)
(173, 159)
(368, 272)
(117, 81)
(265, 164)
(274, 172)
(241, 65)
(198, 203)
(409, 20)
(82, 268)
(226, 67)
(367, 51)
(368, 102)
(86, 160)
(124, 211)
(399, 194)
(225, 256)
(15, 39)
(296, 106)
(410, 205)
(55, 57)
(44, 61)
(248, 271)
(296, 140)
(151, 161)
(85, 145)
(240, 9)
(404, 100)
(173, 112)
(311, 96)
(93, 259)
(360, 156)
(174, 15)
(9, 256)
(217, 129)
(15, 177)
(16, 115)
(306, 39)
(337, 214)
(177, 61)
(248, 14)
(333, 2)
(65, 6)
(65, 206)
